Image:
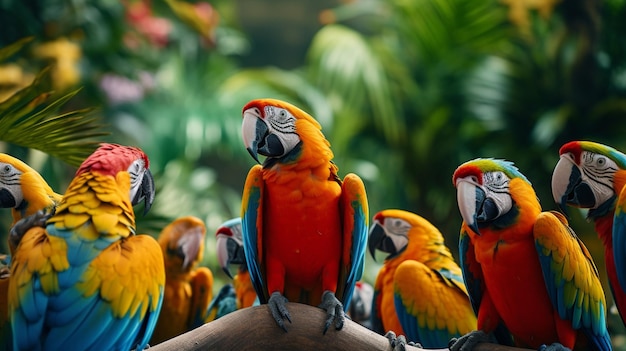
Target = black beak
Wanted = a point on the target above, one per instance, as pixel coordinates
(236, 255)
(378, 240)
(7, 200)
(146, 192)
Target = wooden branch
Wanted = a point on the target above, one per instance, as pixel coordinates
(253, 328)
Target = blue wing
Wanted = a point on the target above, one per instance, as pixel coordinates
(252, 228)
(355, 214)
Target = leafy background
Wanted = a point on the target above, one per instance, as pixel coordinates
(405, 90)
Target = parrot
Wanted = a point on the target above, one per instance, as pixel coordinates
(361, 304)
(304, 228)
(529, 277)
(419, 291)
(24, 191)
(188, 288)
(223, 303)
(229, 242)
(593, 176)
(82, 278)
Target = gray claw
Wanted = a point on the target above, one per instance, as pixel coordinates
(468, 341)
(553, 347)
(398, 343)
(334, 310)
(279, 311)
(37, 219)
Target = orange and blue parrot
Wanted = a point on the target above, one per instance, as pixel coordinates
(527, 273)
(593, 176)
(229, 242)
(304, 229)
(83, 279)
(188, 288)
(24, 191)
(419, 291)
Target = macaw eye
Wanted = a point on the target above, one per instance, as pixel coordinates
(601, 162)
(6, 169)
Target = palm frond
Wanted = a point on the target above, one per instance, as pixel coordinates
(32, 118)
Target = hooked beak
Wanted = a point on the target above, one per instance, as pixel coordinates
(568, 186)
(229, 251)
(146, 192)
(189, 246)
(379, 240)
(470, 198)
(254, 131)
(7, 200)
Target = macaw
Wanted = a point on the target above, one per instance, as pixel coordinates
(223, 303)
(360, 310)
(24, 191)
(82, 279)
(229, 242)
(527, 273)
(304, 229)
(188, 288)
(593, 176)
(419, 291)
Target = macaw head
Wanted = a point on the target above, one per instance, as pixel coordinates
(400, 233)
(229, 243)
(20, 184)
(182, 242)
(490, 193)
(110, 159)
(274, 128)
(588, 175)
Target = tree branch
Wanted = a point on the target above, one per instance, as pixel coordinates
(254, 328)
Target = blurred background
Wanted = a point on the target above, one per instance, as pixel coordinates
(405, 90)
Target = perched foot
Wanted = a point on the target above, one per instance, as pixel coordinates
(553, 347)
(399, 343)
(279, 310)
(468, 341)
(37, 219)
(334, 310)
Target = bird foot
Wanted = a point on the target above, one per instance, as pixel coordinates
(553, 347)
(468, 341)
(279, 311)
(37, 219)
(334, 310)
(398, 343)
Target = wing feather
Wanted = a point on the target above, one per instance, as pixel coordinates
(252, 228)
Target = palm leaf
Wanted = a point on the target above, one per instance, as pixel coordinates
(31, 118)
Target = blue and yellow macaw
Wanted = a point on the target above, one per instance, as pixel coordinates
(304, 229)
(229, 243)
(527, 273)
(84, 280)
(593, 176)
(25, 192)
(419, 291)
(188, 288)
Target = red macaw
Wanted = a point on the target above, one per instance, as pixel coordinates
(419, 291)
(526, 271)
(24, 191)
(188, 288)
(82, 279)
(304, 229)
(593, 176)
(229, 242)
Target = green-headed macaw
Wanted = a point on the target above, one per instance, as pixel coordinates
(82, 279)
(24, 191)
(526, 271)
(304, 229)
(593, 176)
(229, 242)
(188, 287)
(419, 291)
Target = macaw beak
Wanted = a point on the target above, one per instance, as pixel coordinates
(379, 240)
(7, 200)
(189, 246)
(229, 251)
(146, 192)
(470, 198)
(258, 138)
(575, 191)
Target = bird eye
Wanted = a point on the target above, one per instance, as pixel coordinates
(601, 161)
(6, 169)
